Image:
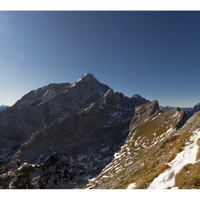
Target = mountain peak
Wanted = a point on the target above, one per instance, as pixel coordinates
(87, 77)
(138, 100)
(136, 96)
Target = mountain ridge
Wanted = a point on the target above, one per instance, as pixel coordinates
(49, 117)
(85, 135)
(189, 110)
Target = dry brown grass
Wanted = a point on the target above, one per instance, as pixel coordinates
(198, 153)
(147, 173)
(188, 177)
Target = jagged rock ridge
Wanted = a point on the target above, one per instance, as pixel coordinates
(188, 110)
(66, 130)
(191, 111)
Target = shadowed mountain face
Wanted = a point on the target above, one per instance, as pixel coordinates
(61, 135)
(191, 111)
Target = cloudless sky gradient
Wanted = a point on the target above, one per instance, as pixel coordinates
(155, 54)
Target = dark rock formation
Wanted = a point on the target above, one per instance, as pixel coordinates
(191, 111)
(142, 113)
(138, 100)
(66, 130)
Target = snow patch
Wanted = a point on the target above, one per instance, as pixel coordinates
(117, 155)
(21, 166)
(119, 170)
(187, 156)
(49, 94)
(105, 149)
(169, 131)
(114, 114)
(101, 106)
(81, 157)
(131, 186)
(174, 188)
(136, 109)
(34, 133)
(156, 116)
(146, 119)
(107, 169)
(136, 142)
(39, 158)
(176, 114)
(3, 155)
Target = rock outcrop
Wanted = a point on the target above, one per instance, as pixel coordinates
(191, 111)
(137, 100)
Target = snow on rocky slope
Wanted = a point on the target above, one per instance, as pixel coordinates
(183, 168)
(148, 129)
(187, 156)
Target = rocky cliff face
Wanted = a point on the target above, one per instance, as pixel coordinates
(63, 133)
(40, 108)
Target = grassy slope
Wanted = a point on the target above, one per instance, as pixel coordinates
(148, 147)
(189, 176)
(147, 173)
(164, 151)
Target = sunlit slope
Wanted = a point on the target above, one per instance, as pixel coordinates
(189, 175)
(183, 172)
(151, 142)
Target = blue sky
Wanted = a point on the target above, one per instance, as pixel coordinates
(155, 54)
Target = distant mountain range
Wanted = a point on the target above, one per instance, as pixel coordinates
(3, 107)
(85, 135)
(167, 108)
(188, 110)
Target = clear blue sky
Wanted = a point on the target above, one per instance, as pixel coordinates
(155, 54)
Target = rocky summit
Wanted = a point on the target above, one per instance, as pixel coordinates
(85, 135)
